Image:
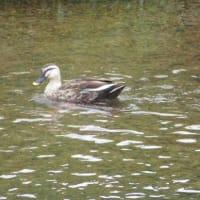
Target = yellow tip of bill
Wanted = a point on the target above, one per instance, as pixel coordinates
(35, 83)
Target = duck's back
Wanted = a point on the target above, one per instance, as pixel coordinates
(87, 90)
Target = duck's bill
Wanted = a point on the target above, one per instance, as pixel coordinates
(35, 83)
(39, 80)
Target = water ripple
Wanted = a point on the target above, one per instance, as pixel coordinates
(89, 138)
(128, 142)
(164, 157)
(101, 129)
(187, 140)
(189, 191)
(84, 184)
(55, 171)
(177, 71)
(105, 176)
(194, 127)
(30, 196)
(26, 182)
(83, 174)
(24, 171)
(110, 197)
(46, 156)
(180, 180)
(165, 87)
(149, 146)
(8, 176)
(20, 73)
(6, 151)
(149, 172)
(88, 158)
(158, 114)
(156, 188)
(161, 76)
(158, 196)
(184, 133)
(19, 120)
(135, 195)
(12, 189)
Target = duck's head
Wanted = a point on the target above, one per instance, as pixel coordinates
(49, 71)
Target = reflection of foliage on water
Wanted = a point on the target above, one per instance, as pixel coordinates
(100, 33)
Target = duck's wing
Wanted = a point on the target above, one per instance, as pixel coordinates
(103, 88)
(107, 91)
(89, 90)
(85, 83)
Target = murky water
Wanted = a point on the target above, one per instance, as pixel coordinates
(144, 147)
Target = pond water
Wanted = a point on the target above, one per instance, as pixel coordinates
(144, 147)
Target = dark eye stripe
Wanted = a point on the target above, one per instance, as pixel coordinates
(49, 69)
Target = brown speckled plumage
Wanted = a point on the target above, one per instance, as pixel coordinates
(86, 90)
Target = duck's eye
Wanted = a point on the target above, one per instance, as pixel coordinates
(47, 72)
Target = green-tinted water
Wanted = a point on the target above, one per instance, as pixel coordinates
(145, 147)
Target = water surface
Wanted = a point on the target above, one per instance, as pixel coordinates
(146, 146)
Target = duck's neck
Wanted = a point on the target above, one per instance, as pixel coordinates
(52, 86)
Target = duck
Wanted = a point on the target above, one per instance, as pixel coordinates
(82, 90)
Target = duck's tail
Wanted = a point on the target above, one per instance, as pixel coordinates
(111, 91)
(104, 92)
(115, 91)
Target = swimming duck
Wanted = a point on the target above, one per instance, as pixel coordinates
(84, 90)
